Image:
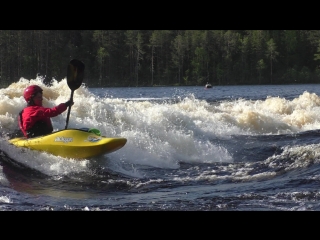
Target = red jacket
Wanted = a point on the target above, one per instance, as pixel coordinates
(35, 120)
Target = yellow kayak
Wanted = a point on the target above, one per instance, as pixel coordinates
(72, 143)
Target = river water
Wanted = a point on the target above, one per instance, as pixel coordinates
(228, 148)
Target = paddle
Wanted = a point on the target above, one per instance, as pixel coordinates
(75, 76)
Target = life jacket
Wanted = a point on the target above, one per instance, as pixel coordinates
(37, 120)
(38, 129)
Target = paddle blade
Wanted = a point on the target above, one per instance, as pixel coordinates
(75, 74)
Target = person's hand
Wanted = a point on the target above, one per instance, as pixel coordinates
(69, 103)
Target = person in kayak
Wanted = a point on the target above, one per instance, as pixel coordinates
(35, 120)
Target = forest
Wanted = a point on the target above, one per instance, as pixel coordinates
(137, 58)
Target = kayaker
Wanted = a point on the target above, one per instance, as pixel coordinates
(35, 120)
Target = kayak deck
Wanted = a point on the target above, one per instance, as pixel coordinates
(72, 143)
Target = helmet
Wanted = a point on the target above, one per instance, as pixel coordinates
(31, 91)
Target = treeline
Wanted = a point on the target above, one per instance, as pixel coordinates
(163, 57)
